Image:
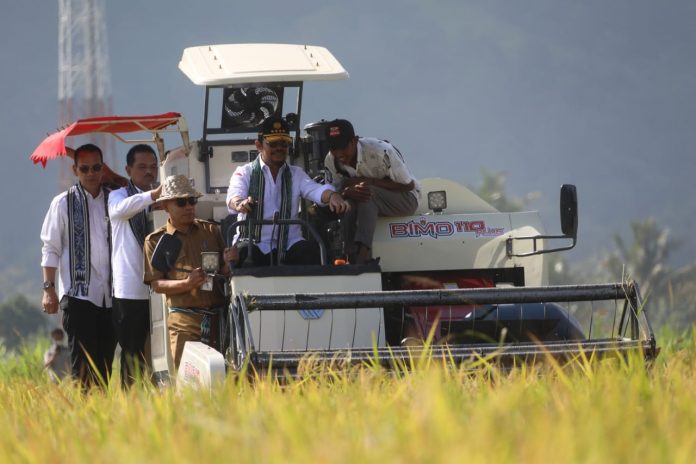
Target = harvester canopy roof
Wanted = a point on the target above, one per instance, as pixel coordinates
(256, 63)
(53, 146)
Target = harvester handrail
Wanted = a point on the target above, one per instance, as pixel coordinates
(250, 222)
(464, 296)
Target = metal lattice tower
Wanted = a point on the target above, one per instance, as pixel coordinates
(84, 77)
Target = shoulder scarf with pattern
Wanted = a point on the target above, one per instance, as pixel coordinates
(79, 239)
(257, 186)
(138, 223)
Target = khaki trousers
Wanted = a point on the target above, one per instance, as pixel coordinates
(185, 327)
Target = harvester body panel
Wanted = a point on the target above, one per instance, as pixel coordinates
(313, 328)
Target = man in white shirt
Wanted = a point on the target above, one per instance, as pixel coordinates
(372, 175)
(76, 244)
(269, 185)
(128, 207)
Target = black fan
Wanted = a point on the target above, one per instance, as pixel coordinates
(247, 108)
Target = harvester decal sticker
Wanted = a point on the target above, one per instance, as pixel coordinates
(310, 313)
(191, 372)
(423, 228)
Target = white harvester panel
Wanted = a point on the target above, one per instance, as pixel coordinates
(159, 340)
(243, 63)
(225, 159)
(159, 335)
(201, 366)
(176, 162)
(456, 241)
(314, 329)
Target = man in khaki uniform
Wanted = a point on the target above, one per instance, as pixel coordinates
(193, 306)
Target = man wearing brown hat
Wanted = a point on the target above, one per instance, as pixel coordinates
(372, 174)
(194, 305)
(269, 185)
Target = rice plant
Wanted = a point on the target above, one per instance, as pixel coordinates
(607, 411)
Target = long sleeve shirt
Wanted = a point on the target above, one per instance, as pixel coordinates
(55, 251)
(376, 159)
(127, 255)
(302, 186)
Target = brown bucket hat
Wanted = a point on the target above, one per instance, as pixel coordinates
(178, 186)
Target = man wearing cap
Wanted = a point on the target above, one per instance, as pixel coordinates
(128, 207)
(372, 175)
(194, 304)
(269, 185)
(76, 246)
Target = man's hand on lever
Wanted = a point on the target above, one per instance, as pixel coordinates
(242, 205)
(335, 201)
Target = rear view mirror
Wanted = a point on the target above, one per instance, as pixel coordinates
(166, 252)
(569, 210)
(569, 227)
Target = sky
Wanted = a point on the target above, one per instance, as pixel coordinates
(597, 93)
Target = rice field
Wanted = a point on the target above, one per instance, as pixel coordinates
(610, 411)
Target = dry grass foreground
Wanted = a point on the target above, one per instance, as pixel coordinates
(604, 412)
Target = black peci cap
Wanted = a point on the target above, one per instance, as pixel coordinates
(275, 128)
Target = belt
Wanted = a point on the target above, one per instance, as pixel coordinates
(207, 314)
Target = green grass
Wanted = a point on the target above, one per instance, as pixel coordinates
(603, 412)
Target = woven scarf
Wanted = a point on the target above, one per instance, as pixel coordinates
(257, 187)
(79, 239)
(138, 223)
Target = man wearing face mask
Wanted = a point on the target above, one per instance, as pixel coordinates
(128, 207)
(269, 185)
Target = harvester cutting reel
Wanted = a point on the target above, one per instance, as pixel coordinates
(504, 324)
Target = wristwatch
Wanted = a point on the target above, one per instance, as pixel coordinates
(48, 284)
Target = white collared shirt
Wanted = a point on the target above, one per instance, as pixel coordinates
(302, 186)
(127, 254)
(56, 248)
(376, 159)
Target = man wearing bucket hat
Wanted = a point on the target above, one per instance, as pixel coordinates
(269, 185)
(194, 307)
(372, 175)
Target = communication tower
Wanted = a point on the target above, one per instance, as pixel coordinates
(84, 76)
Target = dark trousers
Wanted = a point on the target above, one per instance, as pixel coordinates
(303, 252)
(131, 320)
(91, 340)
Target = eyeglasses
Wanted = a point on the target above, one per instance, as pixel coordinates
(84, 169)
(278, 144)
(181, 202)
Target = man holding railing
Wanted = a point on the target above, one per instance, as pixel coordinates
(269, 187)
(371, 174)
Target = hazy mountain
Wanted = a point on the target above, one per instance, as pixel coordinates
(600, 94)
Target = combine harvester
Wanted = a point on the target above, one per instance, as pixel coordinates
(428, 263)
(460, 274)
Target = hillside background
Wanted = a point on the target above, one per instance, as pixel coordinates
(595, 93)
